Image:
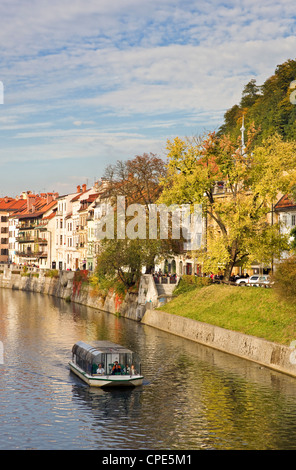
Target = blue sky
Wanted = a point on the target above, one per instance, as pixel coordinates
(90, 83)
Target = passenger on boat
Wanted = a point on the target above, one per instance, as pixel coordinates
(116, 369)
(100, 369)
(133, 370)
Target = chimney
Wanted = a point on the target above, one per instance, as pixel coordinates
(78, 189)
(31, 198)
(84, 187)
(49, 198)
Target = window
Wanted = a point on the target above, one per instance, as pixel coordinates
(293, 220)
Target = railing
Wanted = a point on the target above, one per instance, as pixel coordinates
(165, 278)
(32, 254)
(40, 241)
(25, 239)
(26, 227)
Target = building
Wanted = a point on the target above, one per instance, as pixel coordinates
(32, 243)
(63, 237)
(285, 209)
(74, 232)
(8, 231)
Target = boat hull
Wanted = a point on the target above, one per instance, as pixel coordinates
(106, 380)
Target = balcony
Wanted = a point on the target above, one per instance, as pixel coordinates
(28, 239)
(41, 241)
(31, 254)
(28, 226)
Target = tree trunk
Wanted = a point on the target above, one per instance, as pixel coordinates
(228, 271)
(229, 267)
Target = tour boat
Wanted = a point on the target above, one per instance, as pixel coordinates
(106, 364)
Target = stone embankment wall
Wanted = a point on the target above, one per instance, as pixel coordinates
(141, 307)
(272, 355)
(64, 286)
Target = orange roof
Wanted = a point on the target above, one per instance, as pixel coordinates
(10, 204)
(39, 207)
(285, 203)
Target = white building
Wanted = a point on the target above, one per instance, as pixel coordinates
(72, 231)
(285, 209)
(63, 239)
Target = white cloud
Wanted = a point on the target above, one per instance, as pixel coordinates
(111, 79)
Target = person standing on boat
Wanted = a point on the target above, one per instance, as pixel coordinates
(100, 369)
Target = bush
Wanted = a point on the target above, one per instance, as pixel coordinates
(52, 273)
(188, 283)
(284, 279)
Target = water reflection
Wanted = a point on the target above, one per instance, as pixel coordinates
(193, 397)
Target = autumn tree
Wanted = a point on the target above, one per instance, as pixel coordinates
(137, 179)
(237, 190)
(121, 259)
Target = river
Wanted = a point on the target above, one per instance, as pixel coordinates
(192, 398)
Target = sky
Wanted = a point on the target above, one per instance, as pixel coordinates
(89, 83)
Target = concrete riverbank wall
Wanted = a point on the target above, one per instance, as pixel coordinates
(141, 307)
(272, 355)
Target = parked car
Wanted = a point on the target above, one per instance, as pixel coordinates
(255, 280)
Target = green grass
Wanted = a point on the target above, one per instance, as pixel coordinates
(249, 310)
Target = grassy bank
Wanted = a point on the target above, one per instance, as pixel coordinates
(250, 310)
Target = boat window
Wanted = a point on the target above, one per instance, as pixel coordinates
(129, 362)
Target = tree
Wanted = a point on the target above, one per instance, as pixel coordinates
(137, 179)
(284, 279)
(238, 230)
(120, 261)
(268, 106)
(250, 94)
(122, 258)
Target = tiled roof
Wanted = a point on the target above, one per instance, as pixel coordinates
(39, 207)
(285, 203)
(9, 204)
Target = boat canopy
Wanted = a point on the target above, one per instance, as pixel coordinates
(88, 357)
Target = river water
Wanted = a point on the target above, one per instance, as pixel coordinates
(192, 398)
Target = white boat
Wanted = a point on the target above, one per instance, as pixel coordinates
(105, 364)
